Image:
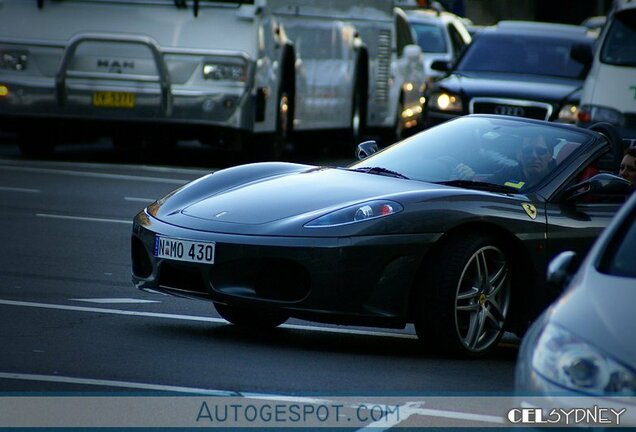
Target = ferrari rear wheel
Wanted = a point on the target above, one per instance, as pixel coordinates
(250, 317)
(465, 301)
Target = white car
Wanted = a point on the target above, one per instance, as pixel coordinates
(441, 35)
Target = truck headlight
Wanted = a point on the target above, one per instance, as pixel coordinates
(224, 72)
(445, 101)
(595, 113)
(572, 363)
(14, 60)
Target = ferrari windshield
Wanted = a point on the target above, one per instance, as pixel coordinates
(531, 54)
(478, 150)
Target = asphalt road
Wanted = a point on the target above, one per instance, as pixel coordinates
(70, 320)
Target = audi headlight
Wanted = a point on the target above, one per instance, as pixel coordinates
(569, 113)
(224, 72)
(594, 113)
(445, 101)
(356, 213)
(14, 60)
(570, 362)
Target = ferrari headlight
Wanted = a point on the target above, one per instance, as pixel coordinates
(13, 60)
(356, 213)
(570, 362)
(569, 113)
(224, 72)
(445, 101)
(594, 113)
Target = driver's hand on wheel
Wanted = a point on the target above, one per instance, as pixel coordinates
(464, 172)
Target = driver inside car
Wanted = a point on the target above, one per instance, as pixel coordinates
(535, 161)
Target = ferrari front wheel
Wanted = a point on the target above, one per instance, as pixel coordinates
(464, 303)
(250, 317)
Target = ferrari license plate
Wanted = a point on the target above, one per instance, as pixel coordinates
(184, 250)
(109, 99)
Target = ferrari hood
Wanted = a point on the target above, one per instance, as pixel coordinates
(289, 195)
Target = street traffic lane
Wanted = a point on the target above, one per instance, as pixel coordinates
(213, 355)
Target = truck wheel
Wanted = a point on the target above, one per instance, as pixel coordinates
(271, 147)
(357, 117)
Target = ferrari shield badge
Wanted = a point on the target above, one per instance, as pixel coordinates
(530, 209)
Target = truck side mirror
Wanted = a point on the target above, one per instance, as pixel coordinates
(440, 65)
(412, 52)
(366, 149)
(582, 53)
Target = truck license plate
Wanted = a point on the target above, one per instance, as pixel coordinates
(109, 99)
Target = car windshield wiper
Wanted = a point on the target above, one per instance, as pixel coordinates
(470, 184)
(381, 171)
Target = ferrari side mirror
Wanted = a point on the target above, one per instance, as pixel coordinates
(605, 185)
(366, 149)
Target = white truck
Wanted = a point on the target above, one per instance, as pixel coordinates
(245, 73)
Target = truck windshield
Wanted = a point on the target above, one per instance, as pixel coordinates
(620, 44)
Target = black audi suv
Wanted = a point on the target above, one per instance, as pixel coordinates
(516, 68)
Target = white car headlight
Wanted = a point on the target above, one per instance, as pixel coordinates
(572, 363)
(445, 101)
(224, 72)
(356, 213)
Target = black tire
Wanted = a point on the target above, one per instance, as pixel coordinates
(249, 317)
(36, 144)
(460, 309)
(399, 129)
(271, 146)
(358, 116)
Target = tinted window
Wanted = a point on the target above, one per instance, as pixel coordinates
(619, 47)
(430, 38)
(522, 54)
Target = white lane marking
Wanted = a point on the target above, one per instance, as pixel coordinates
(93, 166)
(199, 318)
(409, 408)
(414, 408)
(114, 300)
(110, 383)
(139, 199)
(99, 175)
(16, 189)
(89, 219)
